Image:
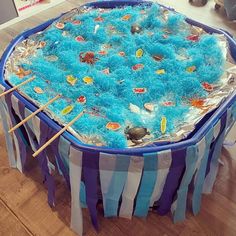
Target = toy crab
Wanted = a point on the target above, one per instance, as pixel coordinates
(88, 57)
(136, 134)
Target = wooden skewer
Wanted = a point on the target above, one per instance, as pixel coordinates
(34, 113)
(17, 86)
(58, 134)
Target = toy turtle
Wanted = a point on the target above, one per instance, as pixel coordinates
(136, 134)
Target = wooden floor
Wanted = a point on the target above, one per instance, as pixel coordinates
(23, 198)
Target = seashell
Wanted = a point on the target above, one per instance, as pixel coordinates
(67, 110)
(126, 17)
(191, 69)
(81, 99)
(149, 107)
(71, 79)
(160, 72)
(208, 87)
(122, 54)
(60, 25)
(163, 124)
(88, 80)
(38, 90)
(80, 38)
(138, 67)
(133, 108)
(139, 53)
(113, 126)
(76, 22)
(139, 90)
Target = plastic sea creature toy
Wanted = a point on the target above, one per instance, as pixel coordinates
(136, 29)
(106, 71)
(88, 57)
(38, 90)
(126, 17)
(122, 54)
(197, 102)
(139, 53)
(139, 90)
(136, 134)
(193, 38)
(157, 57)
(160, 72)
(99, 19)
(163, 124)
(113, 126)
(208, 87)
(191, 69)
(21, 73)
(60, 25)
(149, 107)
(79, 38)
(71, 79)
(138, 67)
(168, 104)
(67, 110)
(76, 22)
(81, 99)
(88, 80)
(102, 52)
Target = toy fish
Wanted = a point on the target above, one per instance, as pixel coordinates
(76, 22)
(160, 72)
(193, 38)
(81, 99)
(139, 90)
(38, 90)
(99, 19)
(113, 126)
(126, 17)
(60, 25)
(208, 87)
(163, 124)
(67, 110)
(102, 52)
(21, 73)
(191, 69)
(138, 67)
(71, 79)
(79, 39)
(139, 53)
(88, 80)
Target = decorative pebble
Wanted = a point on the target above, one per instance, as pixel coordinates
(149, 107)
(76, 22)
(157, 57)
(208, 87)
(193, 38)
(80, 38)
(122, 54)
(126, 17)
(51, 58)
(71, 79)
(38, 90)
(113, 126)
(133, 108)
(81, 99)
(139, 90)
(163, 124)
(160, 72)
(67, 110)
(106, 71)
(139, 53)
(59, 25)
(99, 19)
(88, 80)
(138, 67)
(191, 69)
(21, 73)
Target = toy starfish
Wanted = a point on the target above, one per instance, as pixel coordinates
(22, 73)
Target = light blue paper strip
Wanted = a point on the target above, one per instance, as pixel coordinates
(181, 201)
(116, 185)
(8, 137)
(147, 185)
(75, 167)
(131, 186)
(200, 175)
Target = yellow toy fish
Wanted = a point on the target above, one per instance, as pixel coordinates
(88, 80)
(71, 79)
(160, 72)
(163, 124)
(139, 53)
(67, 110)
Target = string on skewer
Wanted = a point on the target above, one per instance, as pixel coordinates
(58, 134)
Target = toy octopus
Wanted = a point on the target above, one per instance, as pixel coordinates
(88, 57)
